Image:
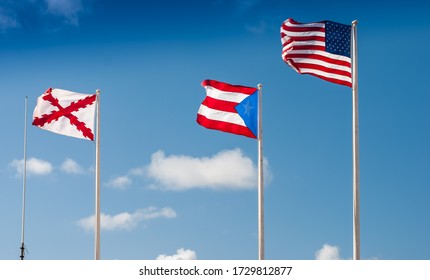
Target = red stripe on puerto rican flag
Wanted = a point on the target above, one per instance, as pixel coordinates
(225, 126)
(217, 104)
(229, 88)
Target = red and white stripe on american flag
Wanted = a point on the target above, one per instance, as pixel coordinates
(304, 49)
(217, 110)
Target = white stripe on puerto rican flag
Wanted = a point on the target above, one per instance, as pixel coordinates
(222, 116)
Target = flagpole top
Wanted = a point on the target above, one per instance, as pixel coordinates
(259, 86)
(98, 91)
(354, 22)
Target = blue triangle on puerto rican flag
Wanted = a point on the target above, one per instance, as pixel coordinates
(248, 111)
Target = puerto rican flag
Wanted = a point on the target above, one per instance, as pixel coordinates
(66, 112)
(229, 108)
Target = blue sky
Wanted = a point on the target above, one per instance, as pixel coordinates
(149, 59)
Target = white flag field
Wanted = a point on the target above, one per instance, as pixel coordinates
(66, 112)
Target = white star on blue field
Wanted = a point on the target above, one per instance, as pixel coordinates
(171, 189)
(248, 111)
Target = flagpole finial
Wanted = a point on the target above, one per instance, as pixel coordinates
(354, 22)
(98, 91)
(259, 86)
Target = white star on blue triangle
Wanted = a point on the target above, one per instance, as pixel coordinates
(248, 111)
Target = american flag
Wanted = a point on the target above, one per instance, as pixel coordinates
(321, 49)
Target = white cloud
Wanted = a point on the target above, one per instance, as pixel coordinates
(228, 169)
(181, 254)
(120, 182)
(71, 167)
(139, 171)
(125, 220)
(69, 9)
(35, 166)
(328, 252)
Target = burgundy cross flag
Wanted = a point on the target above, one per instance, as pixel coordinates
(229, 108)
(66, 112)
(321, 49)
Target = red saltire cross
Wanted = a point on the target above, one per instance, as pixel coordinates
(66, 112)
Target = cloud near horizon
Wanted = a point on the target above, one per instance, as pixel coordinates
(228, 169)
(40, 167)
(181, 254)
(125, 220)
(328, 252)
(120, 182)
(71, 167)
(34, 166)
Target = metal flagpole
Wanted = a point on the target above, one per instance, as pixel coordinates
(355, 146)
(24, 180)
(97, 177)
(260, 178)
